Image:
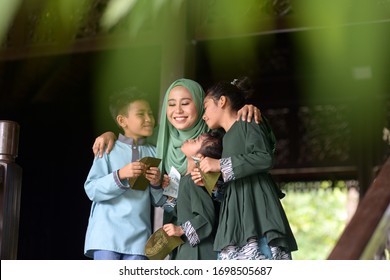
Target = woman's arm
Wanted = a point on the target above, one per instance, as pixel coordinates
(247, 112)
(107, 138)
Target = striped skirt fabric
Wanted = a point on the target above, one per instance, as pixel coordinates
(254, 249)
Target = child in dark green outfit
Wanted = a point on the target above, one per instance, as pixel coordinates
(252, 222)
(195, 212)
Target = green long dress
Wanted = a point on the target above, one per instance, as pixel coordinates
(195, 205)
(251, 206)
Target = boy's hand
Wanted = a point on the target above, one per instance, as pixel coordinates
(132, 170)
(153, 174)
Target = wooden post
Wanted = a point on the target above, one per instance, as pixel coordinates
(10, 189)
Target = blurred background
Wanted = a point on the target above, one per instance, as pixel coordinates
(320, 68)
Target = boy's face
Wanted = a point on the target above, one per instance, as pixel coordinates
(139, 121)
(191, 146)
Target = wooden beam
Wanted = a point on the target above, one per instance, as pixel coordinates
(364, 224)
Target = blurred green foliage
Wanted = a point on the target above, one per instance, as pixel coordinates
(317, 217)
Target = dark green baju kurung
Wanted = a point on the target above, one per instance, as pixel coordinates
(251, 206)
(195, 205)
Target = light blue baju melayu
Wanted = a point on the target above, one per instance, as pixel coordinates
(120, 217)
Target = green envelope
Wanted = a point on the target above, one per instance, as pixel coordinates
(209, 179)
(141, 183)
(159, 245)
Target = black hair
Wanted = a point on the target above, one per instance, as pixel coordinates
(236, 91)
(212, 144)
(120, 100)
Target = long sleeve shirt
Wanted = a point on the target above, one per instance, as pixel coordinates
(120, 217)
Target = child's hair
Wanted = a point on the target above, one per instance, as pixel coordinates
(120, 100)
(212, 144)
(237, 91)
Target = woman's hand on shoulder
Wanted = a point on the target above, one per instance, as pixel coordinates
(107, 138)
(247, 112)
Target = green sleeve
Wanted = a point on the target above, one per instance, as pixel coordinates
(202, 208)
(258, 154)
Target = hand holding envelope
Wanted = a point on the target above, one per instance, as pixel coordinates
(209, 179)
(141, 183)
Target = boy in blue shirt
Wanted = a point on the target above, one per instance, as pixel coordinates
(120, 218)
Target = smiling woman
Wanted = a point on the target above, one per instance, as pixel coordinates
(181, 111)
(180, 120)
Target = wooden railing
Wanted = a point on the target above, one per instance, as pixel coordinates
(367, 234)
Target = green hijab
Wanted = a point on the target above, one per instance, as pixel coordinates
(170, 139)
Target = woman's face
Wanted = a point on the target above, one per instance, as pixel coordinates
(181, 109)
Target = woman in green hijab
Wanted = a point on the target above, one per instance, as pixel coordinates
(176, 127)
(180, 120)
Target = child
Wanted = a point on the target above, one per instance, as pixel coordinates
(120, 219)
(252, 222)
(195, 211)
